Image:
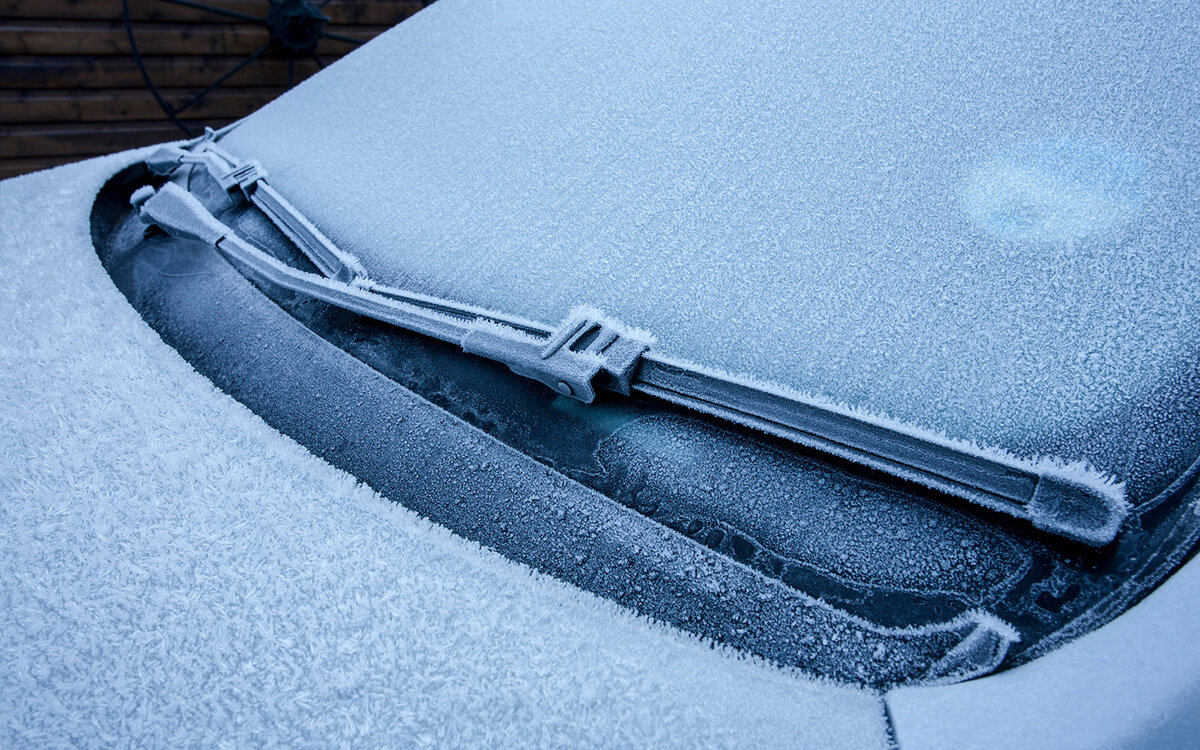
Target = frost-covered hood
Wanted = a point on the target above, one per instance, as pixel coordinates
(982, 223)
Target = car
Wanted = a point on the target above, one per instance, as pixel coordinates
(859, 342)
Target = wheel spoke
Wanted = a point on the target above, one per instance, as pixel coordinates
(137, 58)
(291, 72)
(232, 71)
(218, 11)
(319, 61)
(340, 38)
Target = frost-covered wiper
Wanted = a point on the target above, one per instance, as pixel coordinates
(247, 179)
(589, 351)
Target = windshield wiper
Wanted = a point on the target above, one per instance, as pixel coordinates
(589, 351)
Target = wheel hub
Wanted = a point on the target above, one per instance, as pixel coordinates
(296, 25)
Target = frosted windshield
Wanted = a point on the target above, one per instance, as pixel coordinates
(982, 222)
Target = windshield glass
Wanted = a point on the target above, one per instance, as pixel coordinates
(986, 224)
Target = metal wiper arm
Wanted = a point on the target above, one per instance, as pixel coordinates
(589, 351)
(248, 179)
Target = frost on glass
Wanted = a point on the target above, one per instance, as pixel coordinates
(979, 223)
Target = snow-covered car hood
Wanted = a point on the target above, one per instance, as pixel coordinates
(976, 223)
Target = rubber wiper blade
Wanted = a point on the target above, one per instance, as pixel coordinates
(1053, 503)
(589, 351)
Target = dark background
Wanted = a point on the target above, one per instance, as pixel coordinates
(71, 88)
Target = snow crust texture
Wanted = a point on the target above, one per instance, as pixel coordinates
(981, 221)
(175, 573)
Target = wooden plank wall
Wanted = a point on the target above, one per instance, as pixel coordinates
(70, 89)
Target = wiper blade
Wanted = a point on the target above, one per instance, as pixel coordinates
(589, 352)
(1053, 503)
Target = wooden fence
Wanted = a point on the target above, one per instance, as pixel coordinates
(70, 87)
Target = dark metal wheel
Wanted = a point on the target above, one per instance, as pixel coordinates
(293, 30)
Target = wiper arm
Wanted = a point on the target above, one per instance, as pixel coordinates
(248, 179)
(589, 352)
